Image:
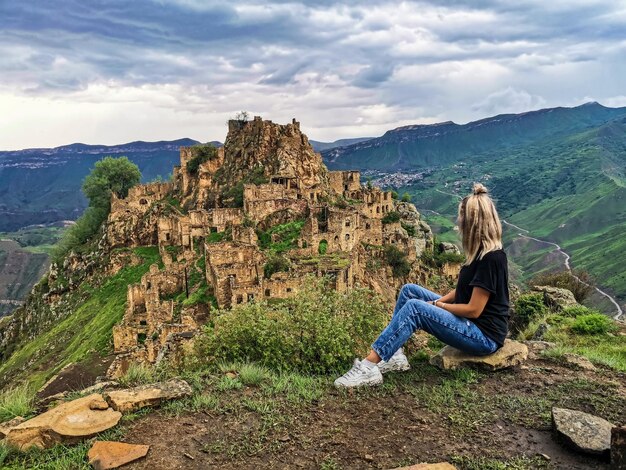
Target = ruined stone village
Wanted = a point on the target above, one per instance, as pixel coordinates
(199, 224)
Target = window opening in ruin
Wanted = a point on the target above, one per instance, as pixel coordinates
(345, 187)
(345, 276)
(250, 297)
(367, 226)
(377, 209)
(288, 289)
(347, 236)
(347, 223)
(267, 293)
(141, 338)
(143, 202)
(323, 247)
(143, 322)
(213, 229)
(239, 299)
(148, 285)
(167, 237)
(336, 238)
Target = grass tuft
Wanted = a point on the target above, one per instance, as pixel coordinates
(16, 401)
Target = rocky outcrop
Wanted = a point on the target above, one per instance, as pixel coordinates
(67, 423)
(512, 354)
(104, 455)
(152, 395)
(556, 297)
(578, 362)
(582, 431)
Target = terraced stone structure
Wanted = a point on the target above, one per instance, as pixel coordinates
(250, 221)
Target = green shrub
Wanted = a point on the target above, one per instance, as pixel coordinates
(202, 153)
(391, 217)
(406, 197)
(323, 247)
(576, 311)
(137, 374)
(410, 229)
(319, 330)
(394, 194)
(276, 264)
(528, 307)
(593, 324)
(397, 260)
(285, 237)
(17, 401)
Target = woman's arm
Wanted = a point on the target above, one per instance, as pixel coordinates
(449, 297)
(473, 309)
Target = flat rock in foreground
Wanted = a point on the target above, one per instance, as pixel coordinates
(69, 422)
(133, 399)
(513, 353)
(108, 454)
(429, 466)
(8, 425)
(585, 432)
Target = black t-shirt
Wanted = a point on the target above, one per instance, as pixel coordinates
(492, 274)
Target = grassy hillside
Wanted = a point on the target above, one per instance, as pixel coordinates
(567, 189)
(85, 330)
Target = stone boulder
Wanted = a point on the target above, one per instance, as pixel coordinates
(133, 399)
(556, 297)
(67, 423)
(582, 431)
(108, 454)
(8, 425)
(513, 353)
(449, 248)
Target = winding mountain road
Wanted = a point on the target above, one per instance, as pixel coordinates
(566, 259)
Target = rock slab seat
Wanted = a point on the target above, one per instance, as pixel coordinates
(109, 454)
(133, 399)
(67, 423)
(511, 354)
(582, 431)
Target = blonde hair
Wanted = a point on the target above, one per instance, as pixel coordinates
(479, 224)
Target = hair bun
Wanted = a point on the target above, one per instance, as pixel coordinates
(479, 189)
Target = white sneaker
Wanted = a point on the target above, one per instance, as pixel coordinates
(360, 375)
(398, 362)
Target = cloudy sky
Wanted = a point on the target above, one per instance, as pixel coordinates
(114, 71)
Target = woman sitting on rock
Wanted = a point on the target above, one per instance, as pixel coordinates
(472, 318)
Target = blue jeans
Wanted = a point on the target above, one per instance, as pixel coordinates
(413, 313)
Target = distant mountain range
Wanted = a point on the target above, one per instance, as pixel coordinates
(419, 146)
(320, 146)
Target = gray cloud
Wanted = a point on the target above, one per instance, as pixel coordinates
(345, 68)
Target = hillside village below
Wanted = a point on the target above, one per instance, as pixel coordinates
(291, 218)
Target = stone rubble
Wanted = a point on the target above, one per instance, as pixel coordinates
(143, 396)
(104, 455)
